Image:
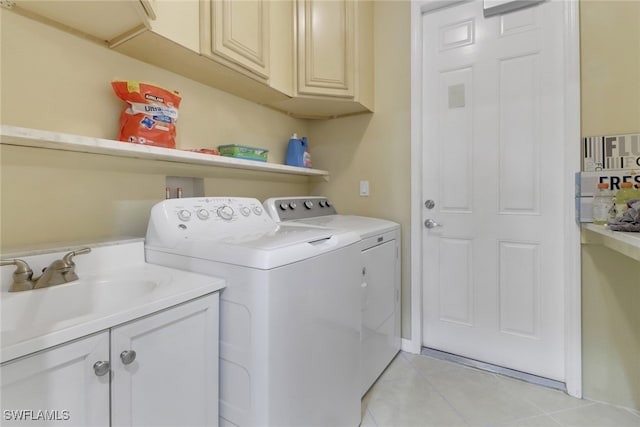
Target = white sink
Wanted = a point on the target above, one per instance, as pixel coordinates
(53, 305)
(40, 318)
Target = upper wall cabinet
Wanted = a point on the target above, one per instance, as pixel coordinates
(253, 37)
(101, 19)
(334, 59)
(306, 58)
(326, 46)
(227, 44)
(237, 32)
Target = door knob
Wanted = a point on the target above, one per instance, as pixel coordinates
(101, 368)
(429, 223)
(429, 204)
(128, 356)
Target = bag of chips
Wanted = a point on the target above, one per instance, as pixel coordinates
(150, 118)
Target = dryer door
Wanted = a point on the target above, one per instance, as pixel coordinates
(378, 340)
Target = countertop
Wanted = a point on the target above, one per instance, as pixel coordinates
(625, 243)
(34, 320)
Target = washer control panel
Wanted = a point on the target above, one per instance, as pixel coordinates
(215, 209)
(211, 217)
(292, 208)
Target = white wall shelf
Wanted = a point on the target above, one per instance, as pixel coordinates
(25, 137)
(625, 243)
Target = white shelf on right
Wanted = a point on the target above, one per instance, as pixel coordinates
(625, 243)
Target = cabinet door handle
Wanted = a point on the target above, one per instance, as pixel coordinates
(101, 367)
(128, 356)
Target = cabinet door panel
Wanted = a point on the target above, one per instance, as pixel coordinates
(238, 31)
(59, 386)
(174, 377)
(326, 43)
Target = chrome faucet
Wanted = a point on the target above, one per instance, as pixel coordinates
(21, 277)
(58, 272)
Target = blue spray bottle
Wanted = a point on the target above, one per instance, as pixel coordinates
(298, 152)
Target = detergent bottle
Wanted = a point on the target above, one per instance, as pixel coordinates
(298, 152)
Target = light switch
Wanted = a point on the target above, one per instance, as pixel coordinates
(364, 188)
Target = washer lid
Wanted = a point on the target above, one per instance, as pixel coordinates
(362, 225)
(286, 244)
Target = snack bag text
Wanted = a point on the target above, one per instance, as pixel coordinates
(150, 118)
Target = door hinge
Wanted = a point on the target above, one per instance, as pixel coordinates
(7, 4)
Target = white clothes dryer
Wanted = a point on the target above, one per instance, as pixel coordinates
(289, 318)
(380, 336)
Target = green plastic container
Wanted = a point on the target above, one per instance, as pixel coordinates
(243, 152)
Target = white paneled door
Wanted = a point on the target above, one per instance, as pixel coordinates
(493, 165)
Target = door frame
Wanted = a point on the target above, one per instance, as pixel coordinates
(571, 249)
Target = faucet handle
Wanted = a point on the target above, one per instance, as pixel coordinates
(70, 275)
(21, 276)
(67, 259)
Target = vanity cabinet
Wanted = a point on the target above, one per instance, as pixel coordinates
(58, 383)
(173, 379)
(161, 369)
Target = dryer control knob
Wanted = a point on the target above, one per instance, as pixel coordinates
(184, 215)
(257, 210)
(308, 204)
(322, 203)
(225, 212)
(203, 214)
(245, 211)
(284, 206)
(327, 204)
(292, 205)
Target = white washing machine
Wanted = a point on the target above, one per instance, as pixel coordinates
(381, 252)
(289, 318)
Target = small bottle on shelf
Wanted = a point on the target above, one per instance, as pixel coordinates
(602, 204)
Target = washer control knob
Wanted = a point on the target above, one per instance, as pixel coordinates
(327, 204)
(203, 214)
(322, 203)
(257, 210)
(225, 212)
(292, 205)
(245, 211)
(284, 206)
(308, 204)
(184, 215)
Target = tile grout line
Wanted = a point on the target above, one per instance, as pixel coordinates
(373, 418)
(501, 381)
(425, 377)
(499, 377)
(502, 386)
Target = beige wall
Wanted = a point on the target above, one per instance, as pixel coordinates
(611, 323)
(55, 81)
(376, 147)
(610, 68)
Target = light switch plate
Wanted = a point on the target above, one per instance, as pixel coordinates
(364, 188)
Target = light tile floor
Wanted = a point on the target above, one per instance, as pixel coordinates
(421, 391)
